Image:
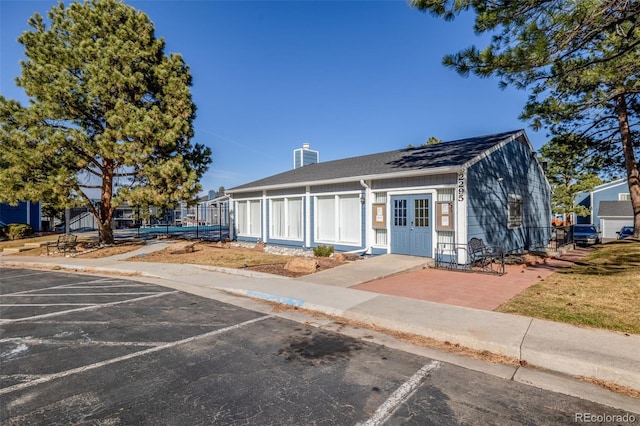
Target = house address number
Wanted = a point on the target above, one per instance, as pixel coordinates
(460, 186)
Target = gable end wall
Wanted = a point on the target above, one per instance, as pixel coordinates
(606, 194)
(513, 169)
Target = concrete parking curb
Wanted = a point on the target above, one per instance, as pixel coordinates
(83, 268)
(544, 344)
(599, 354)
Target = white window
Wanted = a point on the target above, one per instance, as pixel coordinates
(515, 211)
(326, 218)
(241, 217)
(248, 218)
(338, 219)
(286, 218)
(624, 196)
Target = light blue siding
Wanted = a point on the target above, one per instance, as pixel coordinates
(336, 188)
(245, 239)
(415, 181)
(289, 192)
(607, 192)
(376, 251)
(512, 170)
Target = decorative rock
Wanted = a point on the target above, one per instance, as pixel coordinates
(338, 257)
(303, 265)
(351, 257)
(259, 246)
(182, 248)
(284, 251)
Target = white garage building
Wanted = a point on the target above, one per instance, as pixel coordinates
(613, 215)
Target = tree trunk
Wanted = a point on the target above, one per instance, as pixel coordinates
(633, 174)
(106, 209)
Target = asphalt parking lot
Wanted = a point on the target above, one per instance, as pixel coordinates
(81, 349)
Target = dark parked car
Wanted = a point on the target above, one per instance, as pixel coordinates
(585, 235)
(625, 232)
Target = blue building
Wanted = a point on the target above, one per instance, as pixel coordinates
(412, 201)
(610, 207)
(25, 212)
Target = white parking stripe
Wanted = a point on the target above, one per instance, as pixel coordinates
(8, 278)
(33, 290)
(86, 308)
(384, 412)
(83, 342)
(79, 294)
(110, 286)
(82, 369)
(16, 305)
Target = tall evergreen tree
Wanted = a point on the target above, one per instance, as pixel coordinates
(579, 60)
(109, 111)
(570, 171)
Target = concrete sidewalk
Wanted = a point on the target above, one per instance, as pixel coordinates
(561, 348)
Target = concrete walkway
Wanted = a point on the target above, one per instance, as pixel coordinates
(556, 347)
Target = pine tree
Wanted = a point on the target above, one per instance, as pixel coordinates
(569, 171)
(109, 111)
(579, 60)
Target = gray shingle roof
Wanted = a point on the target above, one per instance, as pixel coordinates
(615, 209)
(446, 154)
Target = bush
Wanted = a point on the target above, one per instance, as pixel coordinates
(323, 251)
(17, 231)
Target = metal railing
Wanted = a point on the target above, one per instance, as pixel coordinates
(209, 223)
(462, 257)
(560, 236)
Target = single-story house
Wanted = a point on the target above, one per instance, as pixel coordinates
(615, 198)
(24, 212)
(414, 201)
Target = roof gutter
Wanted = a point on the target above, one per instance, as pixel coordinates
(367, 192)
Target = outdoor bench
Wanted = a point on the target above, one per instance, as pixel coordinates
(487, 258)
(64, 244)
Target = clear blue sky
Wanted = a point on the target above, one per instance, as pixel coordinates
(348, 77)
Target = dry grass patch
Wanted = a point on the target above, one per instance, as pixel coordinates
(106, 251)
(21, 243)
(84, 250)
(601, 291)
(614, 387)
(207, 254)
(210, 254)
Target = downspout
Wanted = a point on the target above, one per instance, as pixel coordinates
(231, 220)
(367, 224)
(263, 215)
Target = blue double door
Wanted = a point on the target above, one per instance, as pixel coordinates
(411, 225)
